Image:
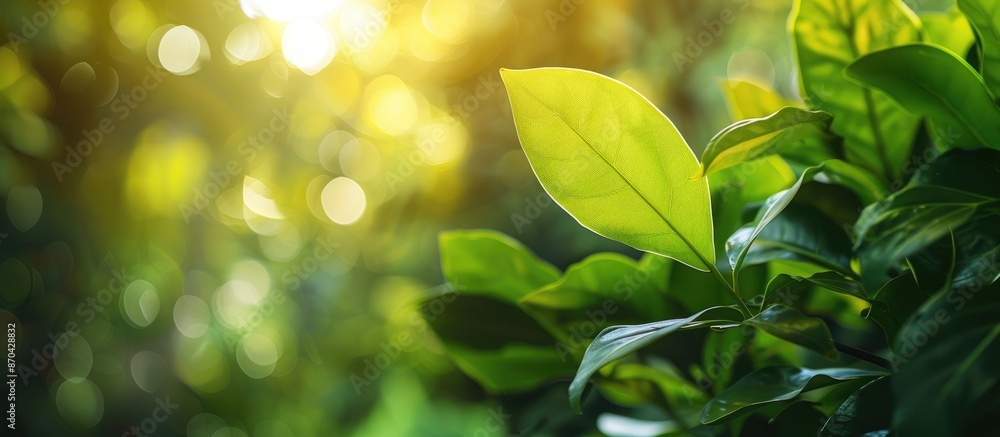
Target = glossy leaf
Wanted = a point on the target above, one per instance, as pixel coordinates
(613, 161)
(866, 410)
(946, 360)
(948, 192)
(784, 289)
(489, 263)
(984, 15)
(828, 36)
(867, 186)
(775, 384)
(789, 324)
(932, 82)
(759, 137)
(737, 248)
(801, 233)
(618, 341)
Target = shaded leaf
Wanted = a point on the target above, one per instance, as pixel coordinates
(935, 83)
(789, 324)
(775, 384)
(618, 341)
(866, 410)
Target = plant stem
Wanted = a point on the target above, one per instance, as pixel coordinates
(732, 291)
(863, 355)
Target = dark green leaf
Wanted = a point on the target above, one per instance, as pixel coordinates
(946, 363)
(495, 343)
(801, 233)
(618, 341)
(932, 82)
(789, 324)
(775, 384)
(868, 409)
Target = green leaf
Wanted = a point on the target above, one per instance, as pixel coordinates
(802, 233)
(932, 82)
(868, 409)
(748, 100)
(489, 263)
(602, 290)
(789, 324)
(618, 341)
(737, 248)
(512, 368)
(613, 161)
(948, 29)
(775, 384)
(495, 343)
(860, 181)
(828, 36)
(954, 189)
(759, 137)
(946, 362)
(985, 18)
(785, 289)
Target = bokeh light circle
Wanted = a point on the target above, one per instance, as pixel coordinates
(344, 201)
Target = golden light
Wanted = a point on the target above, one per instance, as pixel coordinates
(343, 201)
(181, 49)
(133, 23)
(391, 105)
(247, 43)
(308, 46)
(288, 10)
(447, 19)
(258, 197)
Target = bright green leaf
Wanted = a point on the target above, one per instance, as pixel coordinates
(759, 137)
(828, 36)
(747, 100)
(949, 30)
(492, 264)
(602, 290)
(613, 161)
(985, 18)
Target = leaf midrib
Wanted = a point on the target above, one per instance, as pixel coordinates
(683, 238)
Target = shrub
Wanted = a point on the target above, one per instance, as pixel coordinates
(856, 298)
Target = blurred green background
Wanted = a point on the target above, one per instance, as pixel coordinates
(218, 214)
